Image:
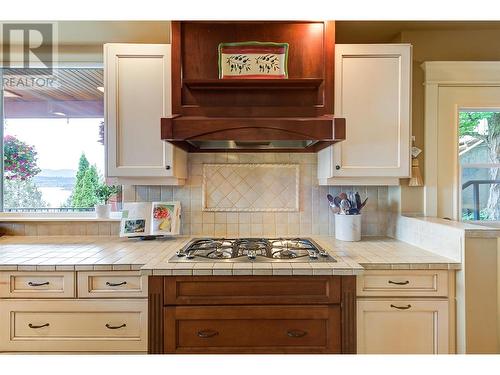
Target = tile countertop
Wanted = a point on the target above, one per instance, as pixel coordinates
(70, 253)
(352, 259)
(82, 253)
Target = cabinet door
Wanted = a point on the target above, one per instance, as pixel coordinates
(402, 326)
(138, 94)
(253, 329)
(372, 92)
(73, 325)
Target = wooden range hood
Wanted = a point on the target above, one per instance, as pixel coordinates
(291, 115)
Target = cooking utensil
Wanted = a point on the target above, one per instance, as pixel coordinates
(363, 204)
(330, 199)
(357, 197)
(337, 201)
(342, 196)
(345, 206)
(352, 198)
(335, 207)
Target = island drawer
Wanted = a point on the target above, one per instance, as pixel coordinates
(37, 284)
(73, 325)
(403, 283)
(241, 290)
(112, 284)
(253, 329)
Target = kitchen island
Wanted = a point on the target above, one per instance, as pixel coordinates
(102, 283)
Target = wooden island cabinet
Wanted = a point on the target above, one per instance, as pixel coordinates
(252, 314)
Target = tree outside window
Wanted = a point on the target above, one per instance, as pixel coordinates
(479, 138)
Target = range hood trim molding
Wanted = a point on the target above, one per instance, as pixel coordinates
(324, 130)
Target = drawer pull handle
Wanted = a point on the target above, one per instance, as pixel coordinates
(36, 327)
(31, 283)
(399, 282)
(115, 284)
(296, 333)
(401, 307)
(207, 333)
(109, 326)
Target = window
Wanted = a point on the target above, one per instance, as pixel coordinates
(479, 157)
(53, 139)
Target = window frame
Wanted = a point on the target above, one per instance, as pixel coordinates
(19, 216)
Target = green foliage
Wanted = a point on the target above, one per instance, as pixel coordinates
(20, 159)
(490, 135)
(83, 165)
(85, 191)
(89, 190)
(22, 193)
(104, 192)
(468, 122)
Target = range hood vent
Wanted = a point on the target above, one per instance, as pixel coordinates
(293, 114)
(201, 134)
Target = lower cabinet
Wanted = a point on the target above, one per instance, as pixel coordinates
(252, 314)
(247, 329)
(402, 326)
(73, 325)
(406, 312)
(88, 311)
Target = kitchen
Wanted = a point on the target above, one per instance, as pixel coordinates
(312, 206)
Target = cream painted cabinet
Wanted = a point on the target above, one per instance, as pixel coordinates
(406, 312)
(373, 94)
(137, 95)
(73, 325)
(84, 311)
(402, 326)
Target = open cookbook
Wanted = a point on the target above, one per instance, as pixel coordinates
(142, 219)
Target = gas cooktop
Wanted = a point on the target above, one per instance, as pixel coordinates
(252, 249)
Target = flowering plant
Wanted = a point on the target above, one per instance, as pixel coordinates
(20, 159)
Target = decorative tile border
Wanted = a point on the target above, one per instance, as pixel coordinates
(250, 187)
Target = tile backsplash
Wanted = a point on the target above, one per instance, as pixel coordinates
(313, 217)
(250, 187)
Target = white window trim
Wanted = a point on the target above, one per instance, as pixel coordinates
(445, 74)
(56, 216)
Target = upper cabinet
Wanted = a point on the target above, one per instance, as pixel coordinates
(373, 94)
(137, 95)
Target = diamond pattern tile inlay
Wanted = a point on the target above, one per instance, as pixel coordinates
(250, 187)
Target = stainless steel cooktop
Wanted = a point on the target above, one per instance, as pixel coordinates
(252, 250)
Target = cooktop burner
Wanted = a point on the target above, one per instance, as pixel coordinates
(252, 249)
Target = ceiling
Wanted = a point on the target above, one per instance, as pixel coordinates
(72, 93)
(387, 31)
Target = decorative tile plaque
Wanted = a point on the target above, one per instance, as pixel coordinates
(250, 187)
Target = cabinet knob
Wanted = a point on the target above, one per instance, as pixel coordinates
(337, 167)
(167, 167)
